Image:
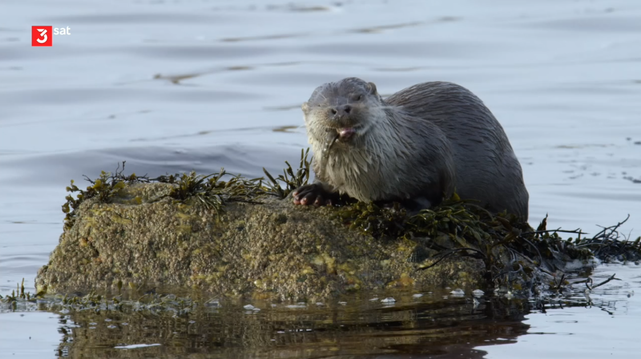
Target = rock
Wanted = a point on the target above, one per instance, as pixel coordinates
(145, 239)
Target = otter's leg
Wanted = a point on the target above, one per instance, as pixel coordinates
(317, 194)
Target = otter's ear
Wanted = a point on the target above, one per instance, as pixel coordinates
(305, 107)
(372, 87)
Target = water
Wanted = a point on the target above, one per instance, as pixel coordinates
(180, 85)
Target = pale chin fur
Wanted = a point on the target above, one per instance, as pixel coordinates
(357, 170)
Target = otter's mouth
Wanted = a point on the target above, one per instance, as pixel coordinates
(345, 133)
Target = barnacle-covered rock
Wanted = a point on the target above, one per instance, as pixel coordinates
(271, 248)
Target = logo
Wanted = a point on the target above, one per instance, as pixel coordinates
(41, 35)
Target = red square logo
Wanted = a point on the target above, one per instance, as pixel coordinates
(41, 35)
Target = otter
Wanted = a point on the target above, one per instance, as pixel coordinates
(417, 147)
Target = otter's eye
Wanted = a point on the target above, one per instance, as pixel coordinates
(358, 98)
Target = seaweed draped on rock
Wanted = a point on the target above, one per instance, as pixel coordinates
(148, 239)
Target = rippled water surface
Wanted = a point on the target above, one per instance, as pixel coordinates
(179, 85)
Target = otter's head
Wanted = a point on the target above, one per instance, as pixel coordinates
(342, 111)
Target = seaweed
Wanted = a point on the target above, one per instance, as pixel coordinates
(515, 255)
(18, 295)
(608, 246)
(208, 190)
(370, 218)
(108, 302)
(105, 188)
(211, 191)
(291, 180)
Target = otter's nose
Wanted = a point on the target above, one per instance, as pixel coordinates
(343, 110)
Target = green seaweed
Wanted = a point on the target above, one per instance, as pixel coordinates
(377, 221)
(211, 191)
(105, 187)
(291, 180)
(18, 295)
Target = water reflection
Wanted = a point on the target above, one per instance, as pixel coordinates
(426, 326)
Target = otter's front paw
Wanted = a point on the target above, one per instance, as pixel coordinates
(313, 194)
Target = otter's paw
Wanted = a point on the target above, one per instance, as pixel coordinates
(313, 194)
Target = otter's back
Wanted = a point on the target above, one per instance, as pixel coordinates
(486, 167)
